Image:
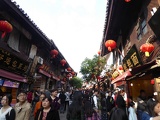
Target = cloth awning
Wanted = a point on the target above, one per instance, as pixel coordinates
(122, 77)
(12, 76)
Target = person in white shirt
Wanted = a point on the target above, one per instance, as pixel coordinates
(95, 99)
(131, 110)
(7, 112)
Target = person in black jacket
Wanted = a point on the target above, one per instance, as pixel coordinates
(110, 103)
(120, 102)
(47, 112)
(62, 98)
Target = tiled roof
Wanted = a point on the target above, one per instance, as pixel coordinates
(29, 19)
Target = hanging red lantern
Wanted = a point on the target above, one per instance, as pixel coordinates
(147, 48)
(54, 53)
(5, 27)
(152, 82)
(69, 69)
(73, 73)
(120, 67)
(68, 75)
(110, 44)
(127, 0)
(63, 62)
(99, 52)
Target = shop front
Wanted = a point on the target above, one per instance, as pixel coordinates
(41, 79)
(12, 70)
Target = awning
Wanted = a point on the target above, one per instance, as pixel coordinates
(122, 77)
(56, 78)
(142, 68)
(12, 76)
(44, 73)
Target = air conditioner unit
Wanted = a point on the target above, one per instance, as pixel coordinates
(40, 60)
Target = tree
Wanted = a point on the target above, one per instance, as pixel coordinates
(76, 82)
(92, 68)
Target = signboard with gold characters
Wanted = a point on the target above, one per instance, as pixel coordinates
(12, 63)
(132, 59)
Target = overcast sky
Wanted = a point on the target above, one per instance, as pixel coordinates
(75, 26)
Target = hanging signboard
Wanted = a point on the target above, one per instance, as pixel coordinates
(132, 59)
(12, 63)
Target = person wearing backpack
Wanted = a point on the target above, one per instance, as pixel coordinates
(7, 112)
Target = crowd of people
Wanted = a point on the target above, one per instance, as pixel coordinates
(91, 104)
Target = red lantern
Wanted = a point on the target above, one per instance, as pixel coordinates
(68, 75)
(54, 53)
(5, 27)
(152, 82)
(73, 73)
(147, 48)
(127, 0)
(110, 44)
(69, 69)
(120, 67)
(63, 62)
(99, 52)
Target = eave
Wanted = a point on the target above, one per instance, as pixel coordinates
(120, 18)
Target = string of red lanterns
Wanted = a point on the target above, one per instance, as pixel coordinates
(5, 27)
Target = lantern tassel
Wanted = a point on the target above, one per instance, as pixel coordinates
(147, 54)
(109, 49)
(3, 34)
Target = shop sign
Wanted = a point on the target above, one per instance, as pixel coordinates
(46, 71)
(132, 59)
(12, 63)
(8, 83)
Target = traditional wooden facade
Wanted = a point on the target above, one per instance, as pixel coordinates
(25, 59)
(132, 24)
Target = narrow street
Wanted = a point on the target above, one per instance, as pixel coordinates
(63, 116)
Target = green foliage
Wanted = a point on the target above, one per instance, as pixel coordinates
(76, 82)
(90, 68)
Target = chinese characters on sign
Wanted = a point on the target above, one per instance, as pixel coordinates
(12, 63)
(132, 59)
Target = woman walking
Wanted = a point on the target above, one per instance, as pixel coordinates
(152, 111)
(47, 112)
(39, 104)
(75, 111)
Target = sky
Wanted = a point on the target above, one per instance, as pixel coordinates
(75, 26)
